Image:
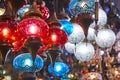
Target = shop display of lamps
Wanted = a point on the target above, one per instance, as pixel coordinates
(36, 28)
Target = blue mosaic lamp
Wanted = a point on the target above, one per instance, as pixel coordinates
(82, 6)
(66, 26)
(23, 10)
(58, 69)
(24, 63)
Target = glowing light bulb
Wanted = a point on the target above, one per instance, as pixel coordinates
(53, 37)
(58, 68)
(5, 32)
(28, 62)
(2, 11)
(33, 29)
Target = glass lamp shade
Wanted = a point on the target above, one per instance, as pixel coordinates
(33, 27)
(45, 11)
(84, 52)
(56, 36)
(102, 19)
(17, 40)
(81, 6)
(105, 38)
(113, 74)
(92, 76)
(77, 34)
(66, 26)
(5, 31)
(24, 63)
(70, 47)
(58, 69)
(2, 11)
(91, 34)
(23, 10)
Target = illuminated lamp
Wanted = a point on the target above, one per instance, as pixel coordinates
(102, 19)
(58, 69)
(24, 63)
(18, 40)
(5, 40)
(77, 34)
(5, 30)
(105, 38)
(2, 11)
(66, 26)
(92, 76)
(82, 6)
(70, 48)
(84, 51)
(45, 11)
(91, 34)
(21, 12)
(113, 73)
(56, 36)
(33, 27)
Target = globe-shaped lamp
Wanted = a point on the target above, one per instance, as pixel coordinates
(45, 11)
(21, 12)
(69, 47)
(91, 34)
(77, 34)
(105, 38)
(92, 76)
(33, 27)
(2, 11)
(81, 6)
(84, 51)
(5, 31)
(56, 36)
(58, 69)
(113, 73)
(66, 26)
(102, 19)
(24, 63)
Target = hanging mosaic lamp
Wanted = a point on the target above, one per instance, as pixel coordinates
(24, 63)
(82, 6)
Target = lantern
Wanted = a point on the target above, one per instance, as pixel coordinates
(91, 34)
(21, 12)
(5, 30)
(102, 19)
(56, 36)
(81, 6)
(45, 11)
(84, 51)
(105, 38)
(92, 76)
(66, 26)
(33, 27)
(24, 63)
(2, 11)
(77, 34)
(58, 69)
(70, 47)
